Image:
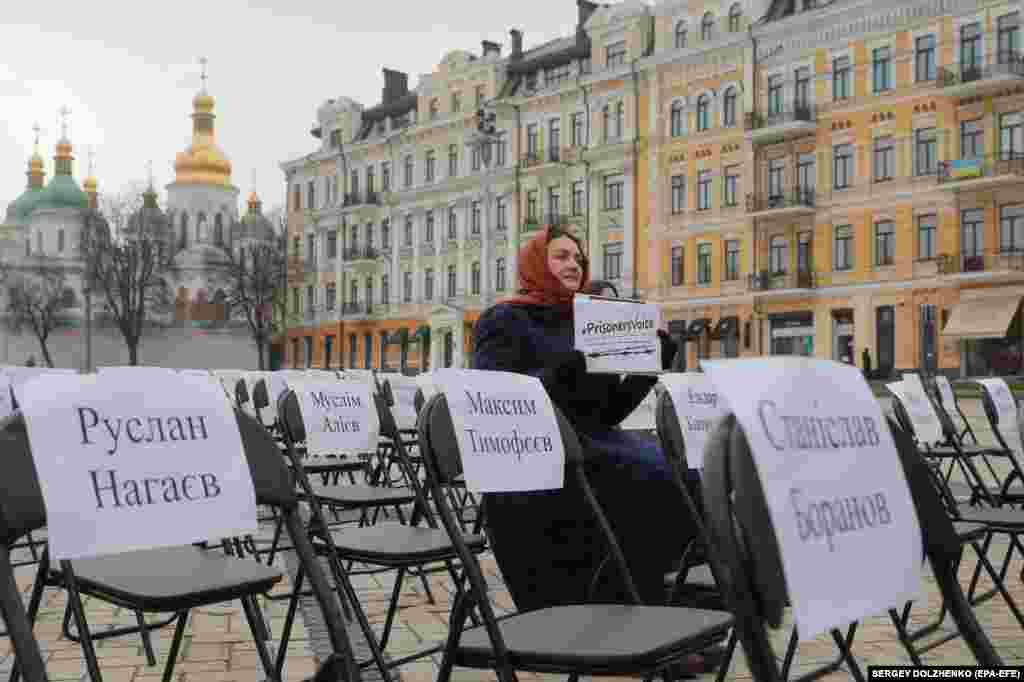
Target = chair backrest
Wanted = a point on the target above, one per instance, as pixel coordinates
(745, 540)
(241, 392)
(291, 417)
(21, 501)
(440, 451)
(260, 395)
(444, 446)
(670, 433)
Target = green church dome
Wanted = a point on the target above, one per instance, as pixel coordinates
(62, 192)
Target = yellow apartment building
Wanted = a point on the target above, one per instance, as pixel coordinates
(863, 200)
(406, 222)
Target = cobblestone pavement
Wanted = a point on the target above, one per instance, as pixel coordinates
(219, 647)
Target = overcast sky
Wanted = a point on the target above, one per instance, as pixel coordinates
(128, 72)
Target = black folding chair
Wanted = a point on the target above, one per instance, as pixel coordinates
(694, 582)
(1008, 492)
(745, 542)
(399, 547)
(596, 639)
(951, 406)
(175, 579)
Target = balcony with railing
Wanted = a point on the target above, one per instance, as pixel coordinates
(982, 172)
(785, 124)
(765, 280)
(796, 202)
(994, 71)
(531, 223)
(356, 309)
(356, 253)
(531, 159)
(1004, 260)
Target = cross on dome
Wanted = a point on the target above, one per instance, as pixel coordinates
(64, 113)
(203, 61)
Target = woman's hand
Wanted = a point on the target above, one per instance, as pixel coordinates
(669, 348)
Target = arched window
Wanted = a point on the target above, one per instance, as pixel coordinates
(707, 26)
(777, 255)
(184, 229)
(218, 230)
(680, 34)
(703, 112)
(729, 101)
(677, 119)
(735, 15)
(200, 226)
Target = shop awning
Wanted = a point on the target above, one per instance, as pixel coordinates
(984, 318)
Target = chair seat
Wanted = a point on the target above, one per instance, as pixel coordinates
(1002, 517)
(697, 576)
(362, 495)
(606, 637)
(394, 544)
(171, 579)
(968, 531)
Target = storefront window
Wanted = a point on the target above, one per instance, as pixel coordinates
(842, 336)
(996, 357)
(792, 334)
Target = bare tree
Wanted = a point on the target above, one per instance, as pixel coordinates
(119, 207)
(128, 271)
(256, 275)
(37, 298)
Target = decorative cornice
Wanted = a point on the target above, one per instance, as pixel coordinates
(785, 39)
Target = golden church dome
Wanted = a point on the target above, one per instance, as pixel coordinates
(203, 162)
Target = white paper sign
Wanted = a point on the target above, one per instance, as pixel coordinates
(6, 406)
(404, 390)
(1006, 408)
(507, 431)
(835, 488)
(946, 392)
(617, 337)
(698, 407)
(126, 465)
(19, 375)
(922, 412)
(340, 417)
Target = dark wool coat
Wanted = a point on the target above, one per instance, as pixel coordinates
(546, 543)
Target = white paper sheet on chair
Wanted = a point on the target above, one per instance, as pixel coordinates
(698, 407)
(127, 465)
(340, 417)
(1006, 408)
(828, 466)
(404, 389)
(508, 435)
(919, 407)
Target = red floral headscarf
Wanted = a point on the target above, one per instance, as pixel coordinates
(537, 284)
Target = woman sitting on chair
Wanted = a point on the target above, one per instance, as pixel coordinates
(545, 542)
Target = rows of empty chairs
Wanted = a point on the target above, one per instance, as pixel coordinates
(403, 504)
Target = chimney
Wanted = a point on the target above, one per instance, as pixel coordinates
(585, 8)
(396, 84)
(517, 43)
(490, 48)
